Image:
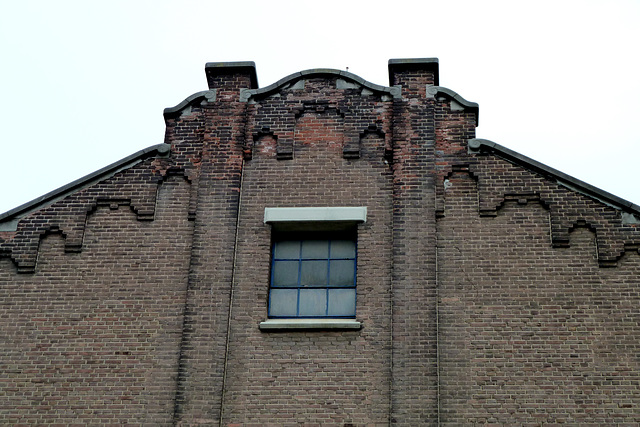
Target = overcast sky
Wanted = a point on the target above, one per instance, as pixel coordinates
(84, 83)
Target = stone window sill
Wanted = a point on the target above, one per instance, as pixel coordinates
(309, 324)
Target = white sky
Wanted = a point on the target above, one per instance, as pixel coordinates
(84, 83)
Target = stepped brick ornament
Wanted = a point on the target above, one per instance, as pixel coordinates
(323, 250)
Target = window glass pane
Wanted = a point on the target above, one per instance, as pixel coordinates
(313, 302)
(287, 249)
(342, 302)
(342, 273)
(283, 302)
(285, 273)
(343, 249)
(315, 249)
(313, 273)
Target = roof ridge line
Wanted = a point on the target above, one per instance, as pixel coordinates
(99, 175)
(476, 145)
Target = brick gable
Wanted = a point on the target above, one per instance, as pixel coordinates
(490, 288)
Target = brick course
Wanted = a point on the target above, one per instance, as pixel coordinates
(531, 333)
(490, 289)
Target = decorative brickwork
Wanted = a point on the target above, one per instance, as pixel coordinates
(532, 333)
(414, 386)
(490, 288)
(93, 336)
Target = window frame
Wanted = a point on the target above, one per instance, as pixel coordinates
(348, 234)
(313, 219)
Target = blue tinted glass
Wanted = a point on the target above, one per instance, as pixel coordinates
(287, 249)
(313, 273)
(313, 302)
(315, 249)
(283, 302)
(342, 302)
(342, 273)
(343, 249)
(313, 278)
(285, 273)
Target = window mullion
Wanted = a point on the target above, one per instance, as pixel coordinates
(308, 267)
(299, 278)
(327, 281)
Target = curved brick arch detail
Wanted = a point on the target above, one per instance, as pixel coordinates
(500, 180)
(352, 149)
(173, 279)
(522, 198)
(344, 80)
(136, 188)
(280, 107)
(446, 171)
(23, 248)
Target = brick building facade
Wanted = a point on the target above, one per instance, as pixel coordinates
(322, 251)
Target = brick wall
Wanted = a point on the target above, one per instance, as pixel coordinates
(414, 287)
(529, 333)
(490, 289)
(92, 337)
(204, 339)
(291, 378)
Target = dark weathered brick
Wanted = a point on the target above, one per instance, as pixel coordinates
(490, 289)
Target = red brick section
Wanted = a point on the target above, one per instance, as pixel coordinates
(319, 377)
(414, 387)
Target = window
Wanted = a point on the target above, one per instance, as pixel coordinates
(312, 282)
(313, 275)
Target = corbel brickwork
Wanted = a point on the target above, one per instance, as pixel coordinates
(479, 283)
(358, 107)
(500, 180)
(135, 187)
